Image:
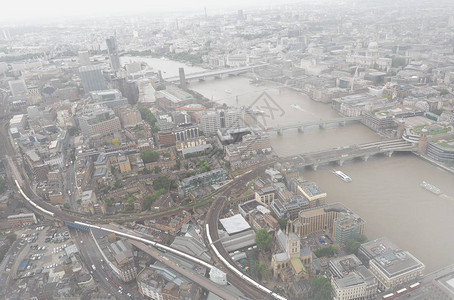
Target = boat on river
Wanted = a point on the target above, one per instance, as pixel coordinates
(431, 188)
(342, 176)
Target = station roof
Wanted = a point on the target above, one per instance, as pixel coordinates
(235, 224)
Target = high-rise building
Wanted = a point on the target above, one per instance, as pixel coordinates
(84, 58)
(92, 78)
(100, 122)
(112, 48)
(212, 121)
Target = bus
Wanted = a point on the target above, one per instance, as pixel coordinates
(388, 297)
(414, 286)
(401, 292)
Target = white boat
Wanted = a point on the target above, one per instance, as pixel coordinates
(296, 106)
(228, 91)
(431, 188)
(342, 176)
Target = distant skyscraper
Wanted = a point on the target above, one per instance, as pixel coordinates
(240, 14)
(84, 58)
(112, 48)
(92, 78)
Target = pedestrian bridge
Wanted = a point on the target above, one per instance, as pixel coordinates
(321, 123)
(214, 74)
(341, 154)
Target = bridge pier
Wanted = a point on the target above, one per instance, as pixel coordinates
(389, 153)
(279, 132)
(340, 162)
(301, 129)
(342, 123)
(365, 157)
(314, 167)
(322, 125)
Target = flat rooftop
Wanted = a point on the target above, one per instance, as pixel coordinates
(235, 224)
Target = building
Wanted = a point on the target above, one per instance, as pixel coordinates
(112, 49)
(311, 192)
(320, 220)
(18, 87)
(123, 163)
(173, 97)
(100, 122)
(347, 226)
(22, 219)
(175, 223)
(84, 58)
(189, 184)
(214, 120)
(294, 262)
(118, 255)
(351, 280)
(392, 266)
(130, 117)
(18, 121)
(167, 138)
(442, 286)
(150, 284)
(92, 78)
(109, 98)
(441, 150)
(266, 195)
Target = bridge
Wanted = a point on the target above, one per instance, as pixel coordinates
(341, 154)
(201, 76)
(321, 123)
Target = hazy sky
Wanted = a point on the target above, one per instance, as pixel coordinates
(16, 11)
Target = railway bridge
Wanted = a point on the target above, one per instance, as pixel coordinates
(321, 123)
(341, 154)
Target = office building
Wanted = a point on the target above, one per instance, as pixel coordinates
(112, 49)
(109, 98)
(84, 58)
(92, 78)
(212, 121)
(351, 279)
(347, 226)
(18, 121)
(392, 266)
(442, 285)
(100, 122)
(320, 220)
(192, 183)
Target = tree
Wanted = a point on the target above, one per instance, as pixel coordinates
(282, 223)
(115, 142)
(149, 156)
(263, 239)
(326, 251)
(321, 289)
(444, 92)
(66, 205)
(2, 184)
(352, 246)
(261, 270)
(157, 169)
(162, 182)
(130, 202)
(11, 237)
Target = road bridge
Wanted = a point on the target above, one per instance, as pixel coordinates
(321, 123)
(201, 76)
(341, 154)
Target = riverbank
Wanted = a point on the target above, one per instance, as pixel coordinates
(434, 162)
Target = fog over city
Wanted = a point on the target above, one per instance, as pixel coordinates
(227, 150)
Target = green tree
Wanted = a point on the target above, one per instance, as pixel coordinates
(162, 182)
(147, 115)
(444, 92)
(2, 184)
(118, 184)
(115, 142)
(352, 246)
(326, 251)
(11, 237)
(149, 156)
(263, 239)
(321, 289)
(108, 201)
(157, 169)
(261, 270)
(131, 202)
(282, 223)
(66, 205)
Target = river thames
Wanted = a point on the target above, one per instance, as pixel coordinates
(385, 192)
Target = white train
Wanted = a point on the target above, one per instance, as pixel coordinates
(238, 272)
(33, 203)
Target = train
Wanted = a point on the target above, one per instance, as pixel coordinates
(49, 213)
(238, 272)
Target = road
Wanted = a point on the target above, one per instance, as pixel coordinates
(91, 256)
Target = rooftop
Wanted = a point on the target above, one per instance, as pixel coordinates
(235, 224)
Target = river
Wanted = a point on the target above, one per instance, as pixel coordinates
(385, 192)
